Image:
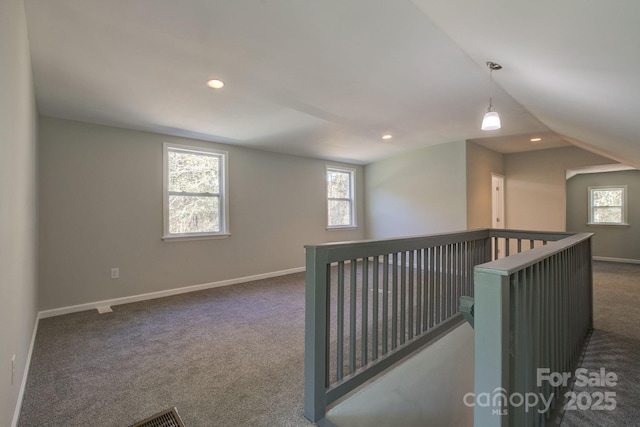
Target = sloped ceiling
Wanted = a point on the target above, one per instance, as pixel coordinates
(327, 78)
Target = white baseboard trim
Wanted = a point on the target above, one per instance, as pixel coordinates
(624, 260)
(160, 294)
(25, 374)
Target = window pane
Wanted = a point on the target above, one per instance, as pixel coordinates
(193, 173)
(191, 214)
(339, 212)
(607, 197)
(338, 185)
(607, 215)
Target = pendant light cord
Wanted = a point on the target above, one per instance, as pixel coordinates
(490, 89)
(492, 66)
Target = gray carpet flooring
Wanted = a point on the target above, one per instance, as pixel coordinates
(614, 346)
(233, 356)
(230, 356)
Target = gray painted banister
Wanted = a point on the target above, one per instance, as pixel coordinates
(532, 310)
(371, 303)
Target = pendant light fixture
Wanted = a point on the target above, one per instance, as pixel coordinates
(491, 119)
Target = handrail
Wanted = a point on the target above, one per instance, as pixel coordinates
(532, 312)
(370, 303)
(342, 251)
(509, 265)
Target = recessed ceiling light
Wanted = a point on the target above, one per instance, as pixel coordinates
(215, 83)
(387, 136)
(535, 139)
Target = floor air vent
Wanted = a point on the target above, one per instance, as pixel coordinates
(168, 418)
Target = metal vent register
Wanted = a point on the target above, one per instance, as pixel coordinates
(168, 418)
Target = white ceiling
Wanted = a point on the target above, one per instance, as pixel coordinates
(327, 78)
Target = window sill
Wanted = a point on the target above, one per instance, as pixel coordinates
(181, 238)
(345, 227)
(607, 224)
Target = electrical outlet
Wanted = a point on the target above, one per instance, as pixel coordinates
(115, 273)
(13, 369)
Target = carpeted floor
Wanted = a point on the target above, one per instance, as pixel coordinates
(230, 356)
(233, 356)
(615, 347)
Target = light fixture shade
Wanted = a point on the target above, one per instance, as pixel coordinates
(491, 121)
(215, 83)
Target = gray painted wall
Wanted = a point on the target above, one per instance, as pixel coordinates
(101, 207)
(608, 241)
(535, 195)
(418, 192)
(18, 212)
(481, 163)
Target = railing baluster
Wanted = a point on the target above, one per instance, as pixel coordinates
(426, 298)
(519, 245)
(426, 312)
(450, 278)
(432, 287)
(403, 296)
(374, 312)
(453, 273)
(539, 340)
(521, 348)
(571, 310)
(468, 266)
(364, 328)
(561, 321)
(394, 299)
(340, 324)
(459, 276)
(410, 290)
(419, 290)
(438, 284)
(546, 321)
(385, 303)
(515, 338)
(556, 316)
(444, 296)
(456, 277)
(353, 299)
(531, 336)
(445, 281)
(472, 260)
(574, 309)
(465, 260)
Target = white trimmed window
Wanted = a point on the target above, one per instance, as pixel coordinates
(195, 181)
(341, 198)
(608, 205)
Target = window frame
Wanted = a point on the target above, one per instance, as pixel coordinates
(223, 213)
(352, 199)
(590, 206)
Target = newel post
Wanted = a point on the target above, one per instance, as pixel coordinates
(491, 370)
(315, 341)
